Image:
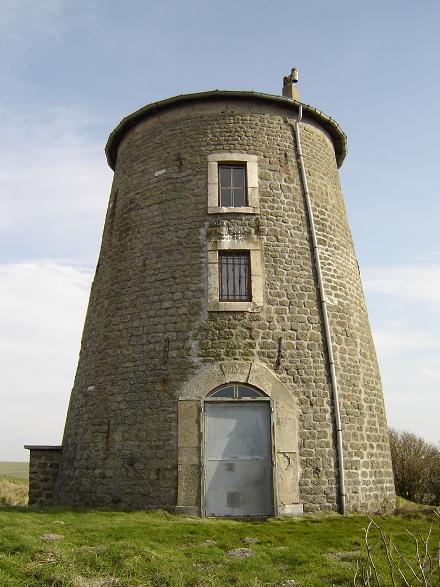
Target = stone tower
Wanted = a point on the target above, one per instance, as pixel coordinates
(227, 366)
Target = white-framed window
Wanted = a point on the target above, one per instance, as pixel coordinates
(232, 183)
(235, 275)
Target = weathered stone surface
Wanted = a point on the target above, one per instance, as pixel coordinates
(249, 540)
(43, 473)
(148, 331)
(240, 553)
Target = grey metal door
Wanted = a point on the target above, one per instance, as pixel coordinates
(238, 459)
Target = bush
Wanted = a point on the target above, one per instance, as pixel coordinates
(416, 467)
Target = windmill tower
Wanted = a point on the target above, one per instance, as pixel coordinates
(227, 366)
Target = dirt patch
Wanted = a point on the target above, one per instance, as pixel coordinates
(96, 582)
(47, 557)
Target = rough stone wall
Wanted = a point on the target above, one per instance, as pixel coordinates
(369, 480)
(43, 473)
(148, 331)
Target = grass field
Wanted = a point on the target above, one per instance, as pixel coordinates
(13, 483)
(13, 492)
(58, 547)
(42, 548)
(14, 469)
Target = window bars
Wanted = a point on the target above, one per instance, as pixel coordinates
(234, 276)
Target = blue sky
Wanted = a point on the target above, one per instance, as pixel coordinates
(70, 70)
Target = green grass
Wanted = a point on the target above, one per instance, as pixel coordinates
(157, 549)
(18, 470)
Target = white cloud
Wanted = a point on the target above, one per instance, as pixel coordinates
(43, 308)
(404, 315)
(417, 283)
(433, 373)
(414, 410)
(54, 182)
(395, 336)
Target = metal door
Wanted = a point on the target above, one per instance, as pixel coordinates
(238, 459)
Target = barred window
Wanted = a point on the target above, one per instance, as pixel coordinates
(234, 276)
(232, 185)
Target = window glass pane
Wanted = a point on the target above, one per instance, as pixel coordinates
(241, 277)
(237, 277)
(239, 197)
(225, 176)
(243, 391)
(224, 277)
(238, 177)
(224, 392)
(232, 185)
(237, 392)
(229, 275)
(225, 197)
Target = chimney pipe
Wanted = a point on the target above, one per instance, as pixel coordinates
(290, 90)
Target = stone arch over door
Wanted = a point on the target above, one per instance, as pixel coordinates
(190, 433)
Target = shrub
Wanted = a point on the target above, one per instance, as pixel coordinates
(416, 467)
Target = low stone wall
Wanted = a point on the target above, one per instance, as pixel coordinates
(43, 472)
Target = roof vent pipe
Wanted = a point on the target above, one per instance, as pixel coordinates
(290, 90)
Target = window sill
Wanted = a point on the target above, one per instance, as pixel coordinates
(234, 307)
(233, 210)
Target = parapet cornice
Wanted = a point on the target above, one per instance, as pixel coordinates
(337, 135)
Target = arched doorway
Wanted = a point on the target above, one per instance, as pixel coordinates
(257, 385)
(238, 455)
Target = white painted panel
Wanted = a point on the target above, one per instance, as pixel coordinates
(238, 459)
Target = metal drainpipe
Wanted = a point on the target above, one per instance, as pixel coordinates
(328, 338)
